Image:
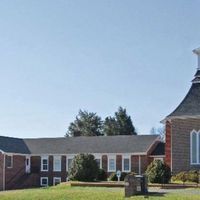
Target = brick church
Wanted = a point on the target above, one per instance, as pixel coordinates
(43, 162)
(182, 148)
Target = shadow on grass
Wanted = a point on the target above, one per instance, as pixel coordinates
(154, 194)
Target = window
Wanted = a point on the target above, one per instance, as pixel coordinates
(56, 180)
(98, 160)
(9, 161)
(111, 164)
(57, 163)
(195, 147)
(69, 162)
(44, 181)
(126, 164)
(44, 163)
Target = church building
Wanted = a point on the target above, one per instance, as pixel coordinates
(182, 148)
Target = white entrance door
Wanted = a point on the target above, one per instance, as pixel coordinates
(28, 164)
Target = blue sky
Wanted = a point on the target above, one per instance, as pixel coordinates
(57, 57)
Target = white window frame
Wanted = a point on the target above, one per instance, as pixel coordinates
(11, 161)
(126, 157)
(198, 147)
(44, 158)
(114, 158)
(68, 157)
(99, 157)
(58, 158)
(54, 178)
(43, 185)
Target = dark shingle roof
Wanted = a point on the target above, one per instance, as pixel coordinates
(190, 106)
(197, 73)
(159, 150)
(13, 145)
(74, 145)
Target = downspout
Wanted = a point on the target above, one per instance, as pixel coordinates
(139, 163)
(4, 171)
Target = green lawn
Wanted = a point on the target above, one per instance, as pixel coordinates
(64, 192)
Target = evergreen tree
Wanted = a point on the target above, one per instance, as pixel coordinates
(120, 124)
(85, 124)
(110, 126)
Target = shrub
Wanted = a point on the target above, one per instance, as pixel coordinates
(158, 172)
(193, 176)
(190, 176)
(84, 168)
(182, 176)
(113, 176)
(102, 176)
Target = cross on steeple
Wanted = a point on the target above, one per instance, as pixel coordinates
(197, 75)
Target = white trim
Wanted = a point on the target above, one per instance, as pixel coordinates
(44, 158)
(54, 178)
(53, 154)
(58, 158)
(1, 151)
(180, 117)
(124, 156)
(157, 156)
(70, 156)
(28, 167)
(108, 163)
(197, 133)
(44, 185)
(158, 139)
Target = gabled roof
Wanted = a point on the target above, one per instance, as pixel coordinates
(159, 150)
(75, 145)
(13, 145)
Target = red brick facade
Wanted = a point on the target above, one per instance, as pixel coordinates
(16, 176)
(180, 140)
(1, 170)
(168, 144)
(13, 175)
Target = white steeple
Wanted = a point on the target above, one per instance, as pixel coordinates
(197, 52)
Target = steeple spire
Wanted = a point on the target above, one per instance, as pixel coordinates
(197, 75)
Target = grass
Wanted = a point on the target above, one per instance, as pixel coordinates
(65, 192)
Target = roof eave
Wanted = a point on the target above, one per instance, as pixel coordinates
(1, 151)
(169, 118)
(157, 139)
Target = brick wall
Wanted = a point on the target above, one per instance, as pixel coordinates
(104, 162)
(17, 178)
(180, 137)
(36, 165)
(135, 164)
(1, 171)
(119, 162)
(168, 144)
(13, 174)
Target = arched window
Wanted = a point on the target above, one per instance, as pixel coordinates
(195, 147)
